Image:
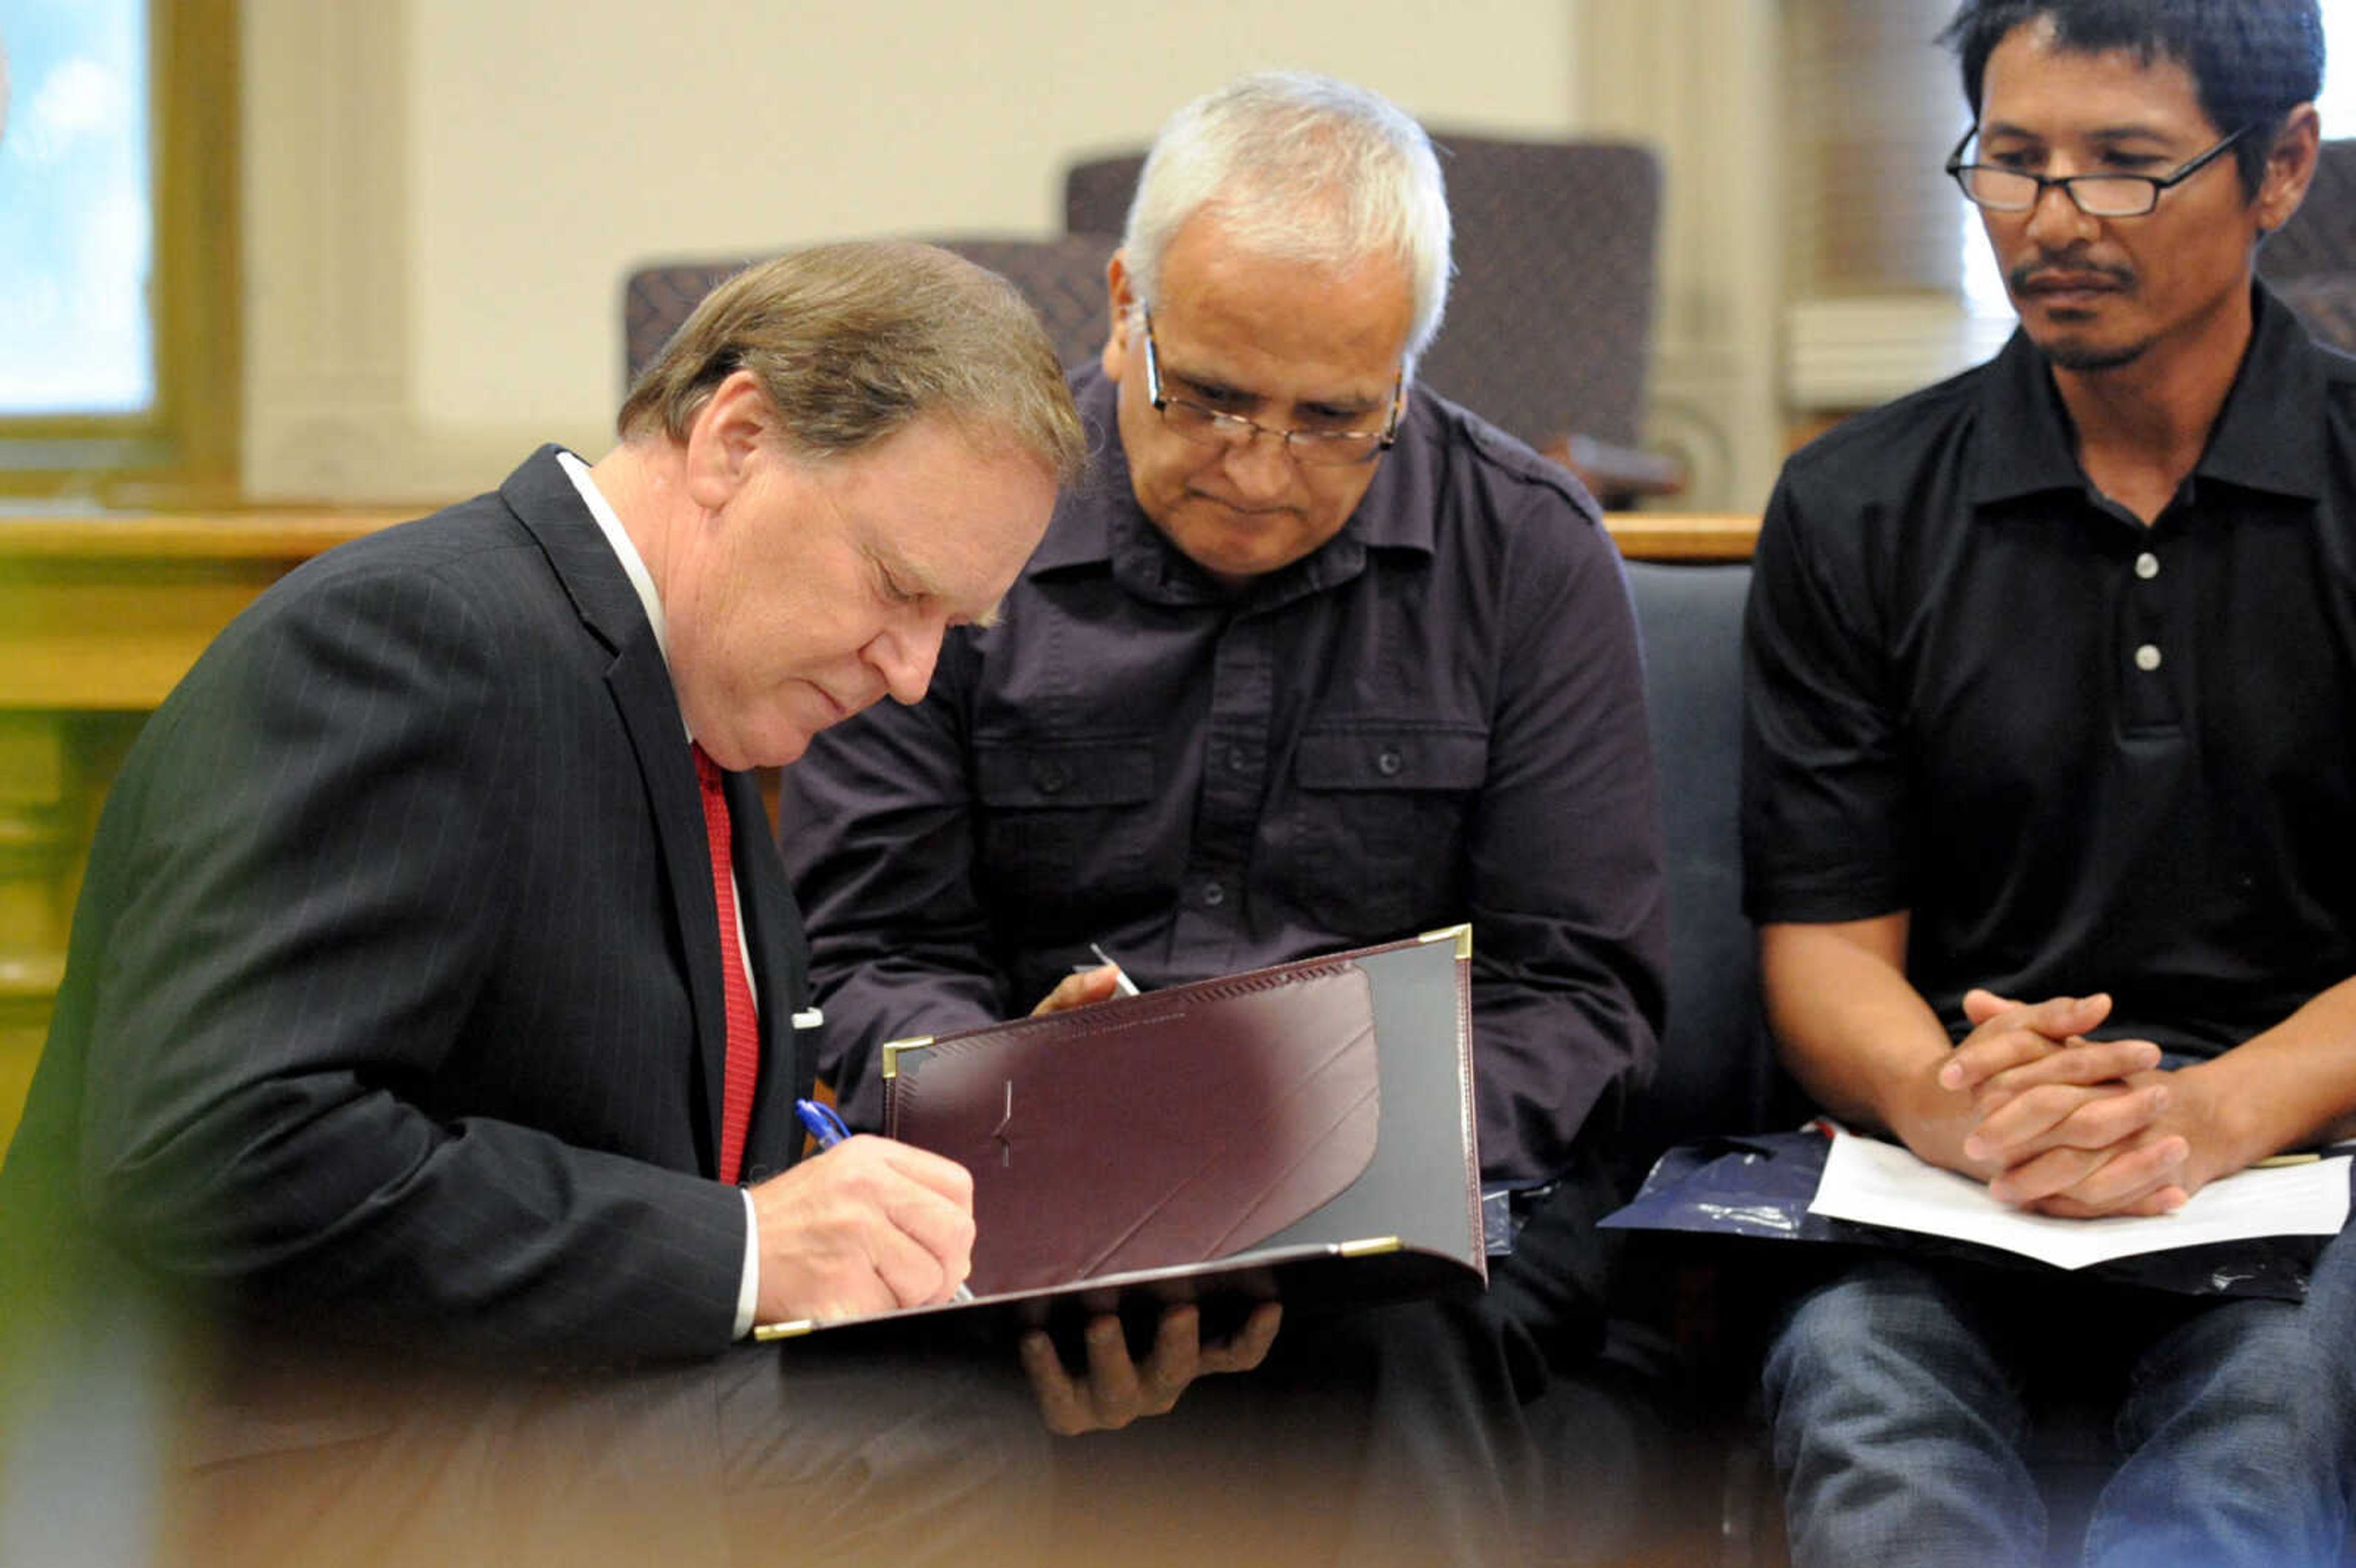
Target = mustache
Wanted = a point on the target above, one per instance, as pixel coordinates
(2032, 272)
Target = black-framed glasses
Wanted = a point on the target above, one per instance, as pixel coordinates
(1211, 427)
(2000, 189)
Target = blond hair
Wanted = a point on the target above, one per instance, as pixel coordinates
(855, 342)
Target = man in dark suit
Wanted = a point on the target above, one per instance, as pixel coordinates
(435, 981)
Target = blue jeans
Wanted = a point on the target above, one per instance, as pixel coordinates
(1900, 1393)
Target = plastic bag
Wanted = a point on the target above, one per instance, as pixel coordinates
(1760, 1186)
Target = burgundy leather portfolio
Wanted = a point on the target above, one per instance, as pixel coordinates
(1302, 1129)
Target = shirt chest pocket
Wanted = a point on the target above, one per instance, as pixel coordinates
(1379, 816)
(1055, 819)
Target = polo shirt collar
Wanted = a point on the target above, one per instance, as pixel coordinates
(2268, 435)
(2024, 446)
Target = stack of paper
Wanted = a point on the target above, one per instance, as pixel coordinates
(1875, 1183)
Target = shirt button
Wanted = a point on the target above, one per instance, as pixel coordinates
(1237, 760)
(2147, 657)
(1213, 895)
(2147, 566)
(1388, 763)
(1050, 777)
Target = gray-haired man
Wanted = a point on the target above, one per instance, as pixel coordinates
(1314, 660)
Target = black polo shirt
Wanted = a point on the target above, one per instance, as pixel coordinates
(2086, 754)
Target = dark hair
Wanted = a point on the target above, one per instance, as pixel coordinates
(2252, 61)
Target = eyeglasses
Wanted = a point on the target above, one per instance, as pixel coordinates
(1210, 427)
(2000, 189)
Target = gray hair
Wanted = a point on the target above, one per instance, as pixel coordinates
(1303, 168)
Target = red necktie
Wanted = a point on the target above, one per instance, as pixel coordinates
(743, 1024)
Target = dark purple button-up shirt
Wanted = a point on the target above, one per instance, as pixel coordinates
(1436, 717)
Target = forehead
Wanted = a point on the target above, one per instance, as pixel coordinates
(1269, 322)
(960, 511)
(2034, 85)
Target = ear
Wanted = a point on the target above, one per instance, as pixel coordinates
(2290, 168)
(727, 438)
(1121, 294)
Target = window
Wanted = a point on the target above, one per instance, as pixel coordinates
(75, 333)
(1873, 107)
(2337, 104)
(1891, 282)
(1875, 235)
(118, 291)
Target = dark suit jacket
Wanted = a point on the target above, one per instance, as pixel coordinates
(394, 993)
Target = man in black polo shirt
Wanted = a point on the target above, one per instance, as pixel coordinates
(2051, 782)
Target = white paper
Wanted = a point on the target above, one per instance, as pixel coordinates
(1877, 1183)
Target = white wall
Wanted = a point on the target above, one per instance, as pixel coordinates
(558, 144)
(443, 196)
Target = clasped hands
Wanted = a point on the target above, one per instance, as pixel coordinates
(2059, 1123)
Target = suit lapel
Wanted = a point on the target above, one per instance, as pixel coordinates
(642, 692)
(542, 497)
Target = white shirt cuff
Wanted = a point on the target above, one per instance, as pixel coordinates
(749, 1292)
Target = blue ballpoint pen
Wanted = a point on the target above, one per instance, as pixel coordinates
(827, 1126)
(822, 1122)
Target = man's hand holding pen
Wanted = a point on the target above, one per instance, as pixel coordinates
(878, 1224)
(873, 1226)
(1083, 988)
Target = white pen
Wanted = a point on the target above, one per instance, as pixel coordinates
(1122, 986)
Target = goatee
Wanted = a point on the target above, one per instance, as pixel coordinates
(2084, 356)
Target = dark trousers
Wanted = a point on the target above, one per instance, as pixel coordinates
(1483, 1431)
(808, 1451)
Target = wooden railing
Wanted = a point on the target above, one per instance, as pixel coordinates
(101, 615)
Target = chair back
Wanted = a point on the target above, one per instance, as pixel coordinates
(2311, 263)
(1717, 1073)
(1549, 321)
(1061, 277)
